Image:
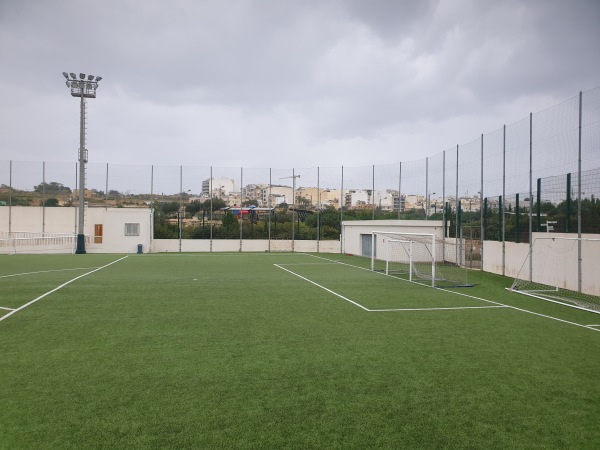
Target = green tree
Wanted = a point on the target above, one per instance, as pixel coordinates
(193, 208)
(302, 201)
(52, 187)
(217, 204)
(168, 207)
(51, 202)
(230, 224)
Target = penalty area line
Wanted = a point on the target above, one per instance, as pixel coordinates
(57, 288)
(592, 327)
(390, 309)
(323, 287)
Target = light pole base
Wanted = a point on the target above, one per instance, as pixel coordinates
(80, 244)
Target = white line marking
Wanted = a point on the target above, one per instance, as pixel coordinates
(471, 296)
(45, 271)
(57, 288)
(384, 310)
(438, 309)
(323, 287)
(310, 264)
(570, 305)
(8, 309)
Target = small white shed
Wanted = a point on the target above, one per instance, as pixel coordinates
(356, 234)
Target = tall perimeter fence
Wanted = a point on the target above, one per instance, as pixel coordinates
(541, 173)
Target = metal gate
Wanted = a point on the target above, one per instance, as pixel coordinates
(366, 241)
(471, 239)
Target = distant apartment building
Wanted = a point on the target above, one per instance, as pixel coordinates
(357, 198)
(414, 201)
(221, 187)
(281, 194)
(331, 197)
(257, 192)
(320, 197)
(386, 201)
(268, 195)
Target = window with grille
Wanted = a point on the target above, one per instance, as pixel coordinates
(132, 229)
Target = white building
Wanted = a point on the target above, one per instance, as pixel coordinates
(221, 187)
(28, 229)
(357, 198)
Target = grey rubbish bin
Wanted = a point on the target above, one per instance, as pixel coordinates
(140, 248)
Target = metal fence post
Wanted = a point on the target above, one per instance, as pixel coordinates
(530, 195)
(568, 205)
(579, 195)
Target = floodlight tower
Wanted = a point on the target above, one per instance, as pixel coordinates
(82, 88)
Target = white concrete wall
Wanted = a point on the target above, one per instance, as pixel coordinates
(514, 256)
(590, 266)
(247, 245)
(352, 230)
(552, 267)
(36, 219)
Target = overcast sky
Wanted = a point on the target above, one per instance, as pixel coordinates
(282, 84)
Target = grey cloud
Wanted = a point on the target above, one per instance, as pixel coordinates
(338, 75)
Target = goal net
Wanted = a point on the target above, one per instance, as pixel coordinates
(32, 242)
(551, 272)
(419, 257)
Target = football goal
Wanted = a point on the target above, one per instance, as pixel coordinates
(419, 257)
(562, 270)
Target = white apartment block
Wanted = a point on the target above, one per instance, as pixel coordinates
(221, 187)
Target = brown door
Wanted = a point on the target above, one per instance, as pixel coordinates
(98, 233)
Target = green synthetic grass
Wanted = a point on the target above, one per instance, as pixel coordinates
(230, 351)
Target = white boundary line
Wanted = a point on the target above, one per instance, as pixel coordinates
(46, 271)
(8, 309)
(529, 294)
(437, 309)
(57, 288)
(589, 327)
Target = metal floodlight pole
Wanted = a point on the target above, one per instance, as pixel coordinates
(82, 88)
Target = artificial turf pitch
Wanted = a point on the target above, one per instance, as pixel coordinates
(284, 351)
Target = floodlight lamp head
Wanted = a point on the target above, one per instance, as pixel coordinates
(98, 79)
(90, 77)
(66, 75)
(73, 76)
(82, 75)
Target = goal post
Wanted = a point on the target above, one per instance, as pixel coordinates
(420, 257)
(550, 272)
